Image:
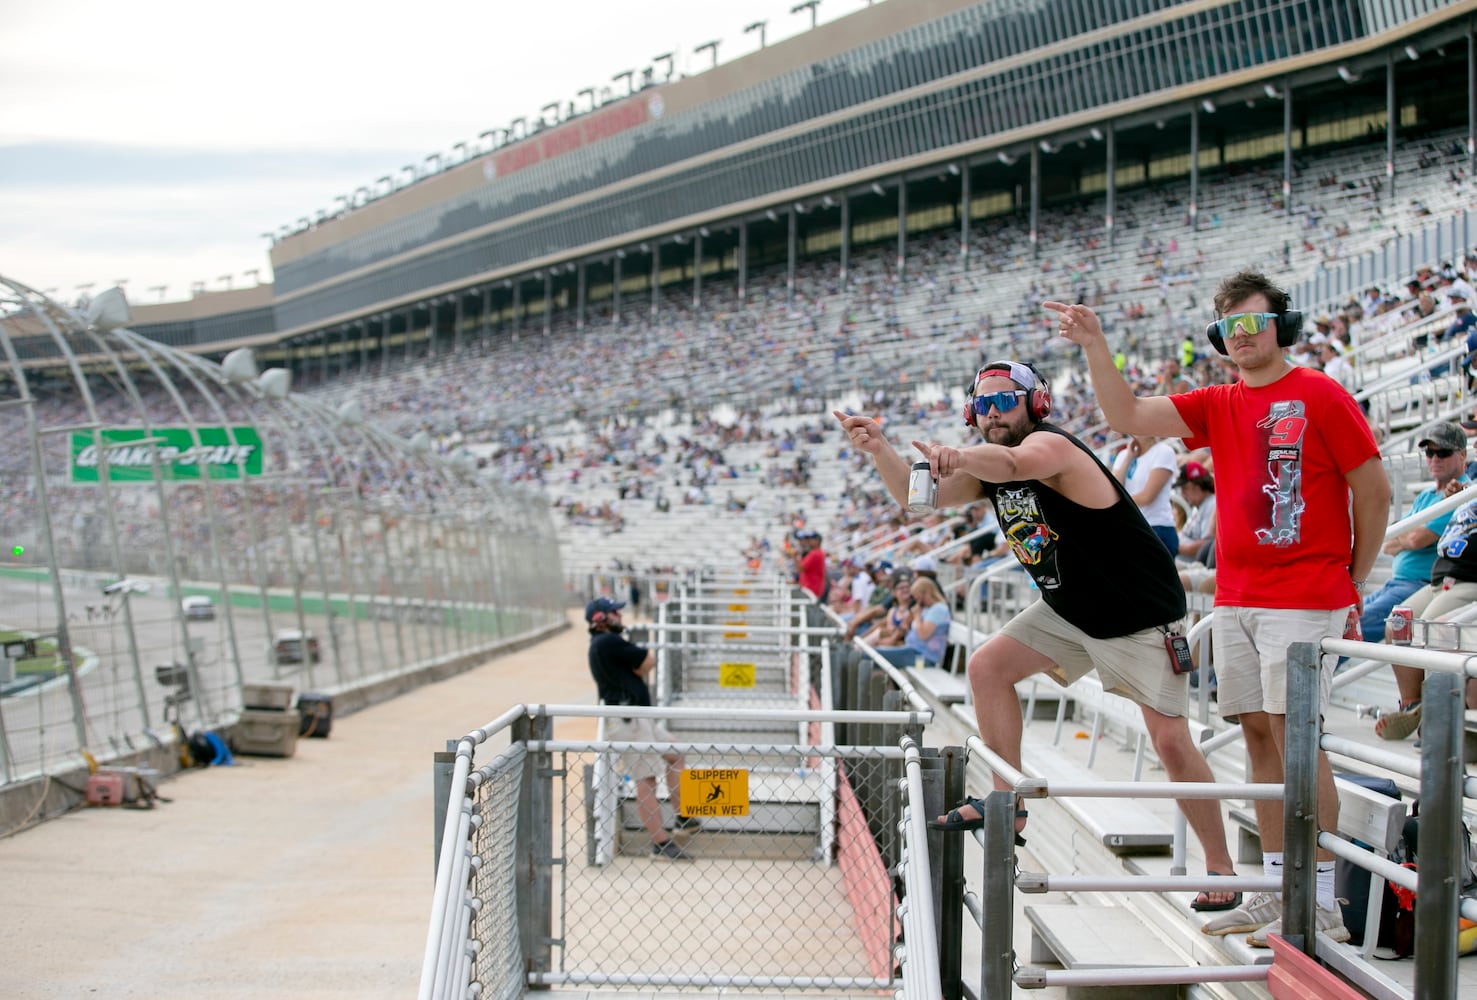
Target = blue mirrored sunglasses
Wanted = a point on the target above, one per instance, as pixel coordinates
(1003, 401)
(1246, 324)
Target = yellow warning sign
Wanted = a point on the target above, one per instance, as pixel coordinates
(738, 607)
(715, 792)
(740, 591)
(735, 635)
(736, 675)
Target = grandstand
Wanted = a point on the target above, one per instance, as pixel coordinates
(645, 312)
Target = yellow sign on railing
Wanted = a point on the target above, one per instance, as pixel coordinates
(718, 791)
(738, 607)
(736, 675)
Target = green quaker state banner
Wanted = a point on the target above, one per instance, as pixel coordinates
(225, 452)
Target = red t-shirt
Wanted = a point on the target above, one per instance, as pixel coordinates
(813, 571)
(1284, 537)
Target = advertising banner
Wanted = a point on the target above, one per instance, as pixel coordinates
(223, 452)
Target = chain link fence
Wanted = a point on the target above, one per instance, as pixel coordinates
(174, 530)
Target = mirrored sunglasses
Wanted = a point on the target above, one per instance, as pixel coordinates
(1243, 324)
(1002, 401)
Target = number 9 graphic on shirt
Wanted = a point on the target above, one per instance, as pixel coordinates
(1287, 431)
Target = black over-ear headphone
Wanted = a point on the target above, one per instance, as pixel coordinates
(1023, 374)
(1289, 329)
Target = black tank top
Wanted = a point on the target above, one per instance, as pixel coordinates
(1104, 571)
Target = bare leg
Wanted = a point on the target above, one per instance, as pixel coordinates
(675, 766)
(1408, 680)
(1328, 793)
(993, 672)
(650, 810)
(1265, 752)
(1183, 761)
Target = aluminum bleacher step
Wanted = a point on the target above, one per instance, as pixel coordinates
(1100, 937)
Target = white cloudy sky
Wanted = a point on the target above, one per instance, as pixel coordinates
(156, 140)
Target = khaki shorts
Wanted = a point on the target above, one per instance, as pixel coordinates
(1250, 649)
(1135, 666)
(639, 765)
(1431, 602)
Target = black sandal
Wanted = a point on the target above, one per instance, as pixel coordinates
(955, 822)
(1209, 907)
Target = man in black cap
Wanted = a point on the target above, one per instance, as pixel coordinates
(620, 668)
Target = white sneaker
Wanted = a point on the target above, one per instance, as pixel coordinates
(1254, 914)
(1326, 922)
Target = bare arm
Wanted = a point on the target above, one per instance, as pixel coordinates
(1371, 491)
(644, 671)
(1125, 412)
(1151, 489)
(866, 435)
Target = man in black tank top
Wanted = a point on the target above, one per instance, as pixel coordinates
(1109, 587)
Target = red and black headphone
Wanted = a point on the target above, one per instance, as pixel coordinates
(1023, 374)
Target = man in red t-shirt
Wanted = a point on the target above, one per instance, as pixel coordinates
(1291, 450)
(812, 574)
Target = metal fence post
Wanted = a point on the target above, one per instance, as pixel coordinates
(442, 766)
(1300, 799)
(997, 896)
(1442, 851)
(949, 890)
(535, 845)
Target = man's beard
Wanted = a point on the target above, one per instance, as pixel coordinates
(1005, 435)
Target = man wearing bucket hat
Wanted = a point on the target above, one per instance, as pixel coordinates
(620, 668)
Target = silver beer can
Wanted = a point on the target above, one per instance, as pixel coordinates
(922, 489)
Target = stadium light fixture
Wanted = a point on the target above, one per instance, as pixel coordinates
(954, 170)
(625, 75)
(1271, 92)
(770, 215)
(1347, 75)
(254, 275)
(758, 26)
(275, 383)
(367, 195)
(460, 149)
(828, 201)
(1046, 147)
(549, 113)
(666, 57)
(703, 232)
(239, 366)
(516, 129)
(877, 189)
(1005, 158)
(809, 5)
(341, 198)
(304, 222)
(1159, 124)
(269, 236)
(620, 255)
(409, 168)
(436, 169)
(1412, 53)
(108, 310)
(1208, 106)
(709, 47)
(350, 413)
(161, 289)
(388, 182)
(1096, 133)
(588, 92)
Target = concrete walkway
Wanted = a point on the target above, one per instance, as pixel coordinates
(306, 877)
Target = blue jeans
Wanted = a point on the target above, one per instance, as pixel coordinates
(1169, 535)
(1377, 606)
(902, 656)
